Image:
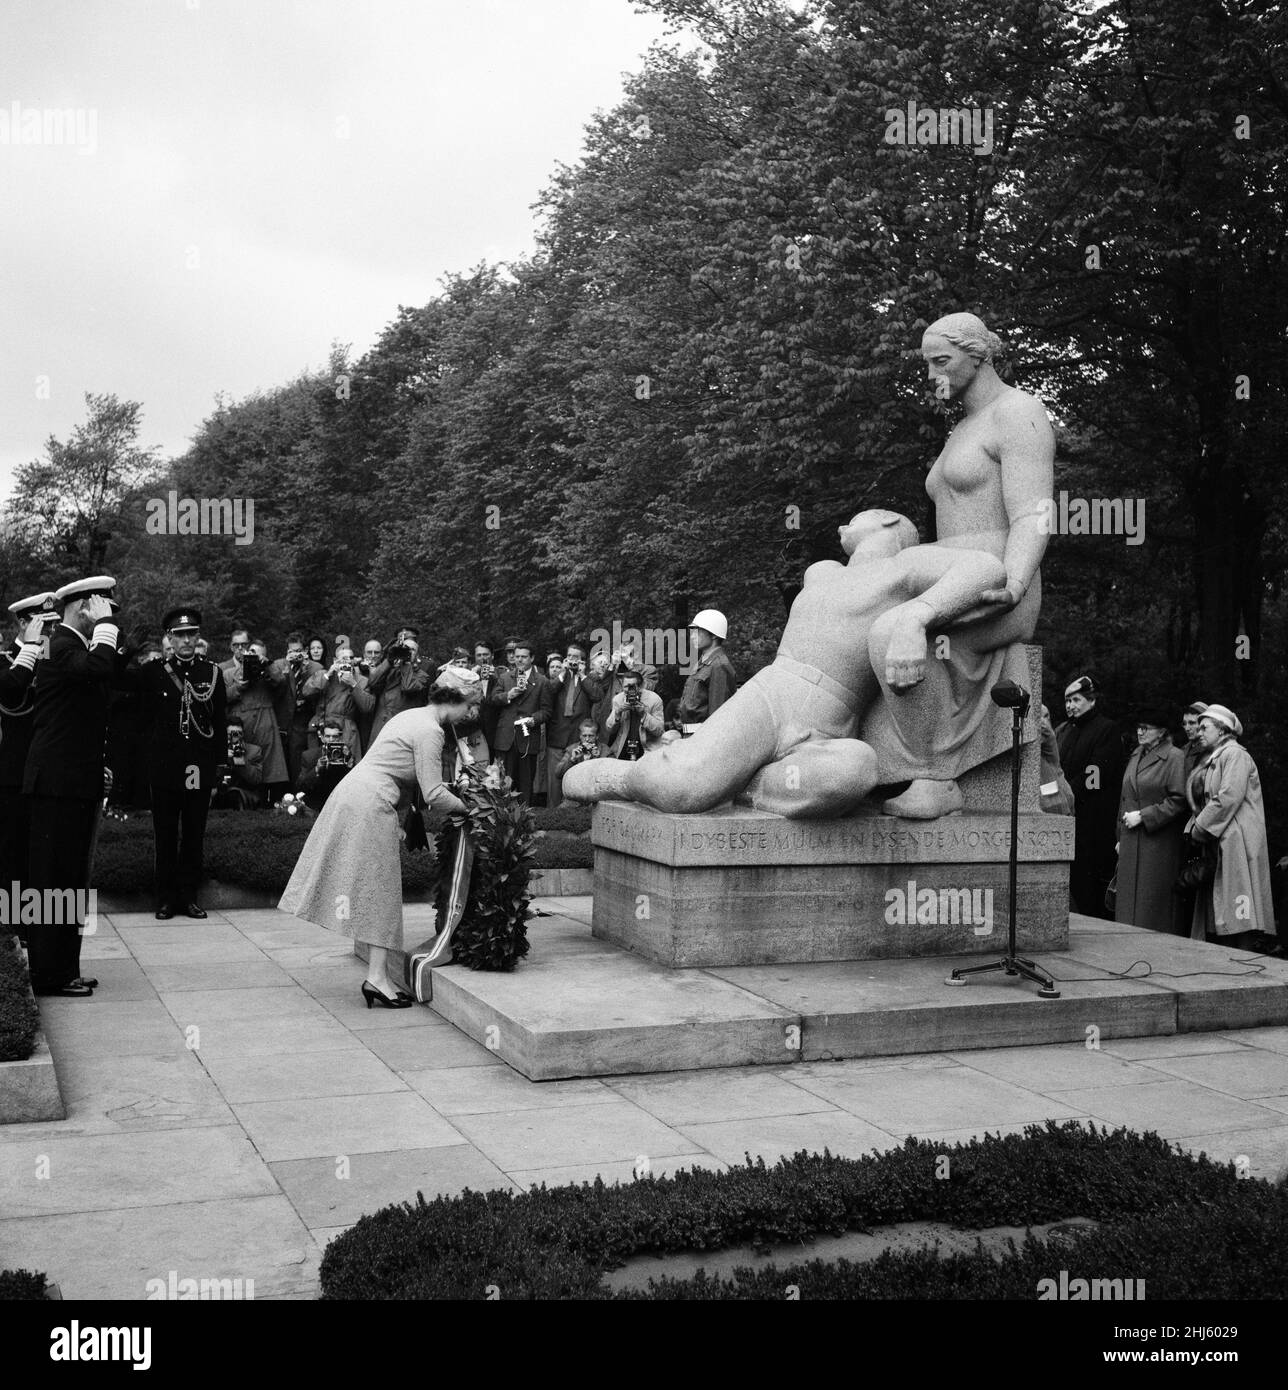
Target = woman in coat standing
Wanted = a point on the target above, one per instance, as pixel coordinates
(1225, 794)
(349, 875)
(1151, 813)
(1194, 750)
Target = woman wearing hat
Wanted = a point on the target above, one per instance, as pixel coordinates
(349, 875)
(1225, 795)
(1151, 810)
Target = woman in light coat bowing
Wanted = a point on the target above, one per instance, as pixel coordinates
(1151, 822)
(349, 875)
(1225, 795)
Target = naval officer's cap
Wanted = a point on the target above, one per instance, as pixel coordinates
(37, 603)
(185, 619)
(102, 584)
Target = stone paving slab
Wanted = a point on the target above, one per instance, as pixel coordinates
(1173, 1109)
(330, 1126)
(113, 1254)
(327, 1195)
(101, 1171)
(772, 1137)
(301, 1076)
(169, 1090)
(612, 1131)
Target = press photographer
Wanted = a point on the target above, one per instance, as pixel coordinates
(526, 701)
(252, 688)
(345, 696)
(239, 779)
(326, 765)
(302, 683)
(634, 722)
(399, 680)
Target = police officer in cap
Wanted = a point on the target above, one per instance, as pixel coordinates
(63, 778)
(188, 738)
(17, 700)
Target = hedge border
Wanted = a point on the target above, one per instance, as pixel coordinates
(556, 1243)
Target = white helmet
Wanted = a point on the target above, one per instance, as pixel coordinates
(711, 621)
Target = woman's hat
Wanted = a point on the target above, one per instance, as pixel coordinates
(1227, 718)
(1196, 708)
(463, 679)
(1084, 686)
(1154, 716)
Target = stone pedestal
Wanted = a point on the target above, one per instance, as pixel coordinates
(744, 887)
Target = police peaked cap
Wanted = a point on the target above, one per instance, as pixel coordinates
(186, 619)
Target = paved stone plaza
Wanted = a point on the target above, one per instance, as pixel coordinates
(219, 1153)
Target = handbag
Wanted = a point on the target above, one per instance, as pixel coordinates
(1198, 869)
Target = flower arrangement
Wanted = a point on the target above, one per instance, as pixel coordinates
(493, 932)
(293, 804)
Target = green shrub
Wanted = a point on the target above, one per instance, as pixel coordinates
(568, 817)
(21, 1284)
(557, 1243)
(1233, 1247)
(19, 1016)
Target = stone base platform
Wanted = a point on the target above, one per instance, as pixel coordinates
(738, 887)
(583, 1007)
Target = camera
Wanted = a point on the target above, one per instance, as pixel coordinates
(487, 672)
(236, 746)
(364, 668)
(295, 657)
(335, 753)
(252, 667)
(632, 693)
(397, 651)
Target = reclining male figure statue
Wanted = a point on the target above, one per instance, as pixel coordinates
(787, 739)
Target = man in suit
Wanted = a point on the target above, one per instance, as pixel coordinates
(63, 778)
(489, 675)
(526, 701)
(575, 698)
(302, 681)
(634, 720)
(17, 700)
(186, 702)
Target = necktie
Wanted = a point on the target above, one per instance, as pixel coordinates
(571, 698)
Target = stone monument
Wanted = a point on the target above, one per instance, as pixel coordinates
(883, 676)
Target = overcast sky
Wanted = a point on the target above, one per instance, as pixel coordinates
(256, 179)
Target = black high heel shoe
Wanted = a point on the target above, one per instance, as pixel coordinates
(375, 996)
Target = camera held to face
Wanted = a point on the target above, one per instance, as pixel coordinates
(236, 746)
(397, 652)
(252, 667)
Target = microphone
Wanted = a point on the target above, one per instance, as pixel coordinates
(1010, 696)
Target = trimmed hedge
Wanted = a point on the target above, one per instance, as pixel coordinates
(1233, 1247)
(258, 849)
(22, 1284)
(557, 1243)
(19, 1016)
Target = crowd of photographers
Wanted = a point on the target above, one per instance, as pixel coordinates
(298, 722)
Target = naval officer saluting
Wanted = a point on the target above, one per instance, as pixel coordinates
(17, 700)
(188, 739)
(63, 779)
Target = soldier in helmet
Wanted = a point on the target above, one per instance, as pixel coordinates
(712, 679)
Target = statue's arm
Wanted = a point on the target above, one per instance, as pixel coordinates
(1027, 451)
(941, 584)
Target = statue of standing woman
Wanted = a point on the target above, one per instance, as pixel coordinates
(991, 486)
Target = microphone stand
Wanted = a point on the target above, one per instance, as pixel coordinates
(1011, 963)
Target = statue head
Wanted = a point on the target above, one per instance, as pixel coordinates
(877, 532)
(956, 349)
